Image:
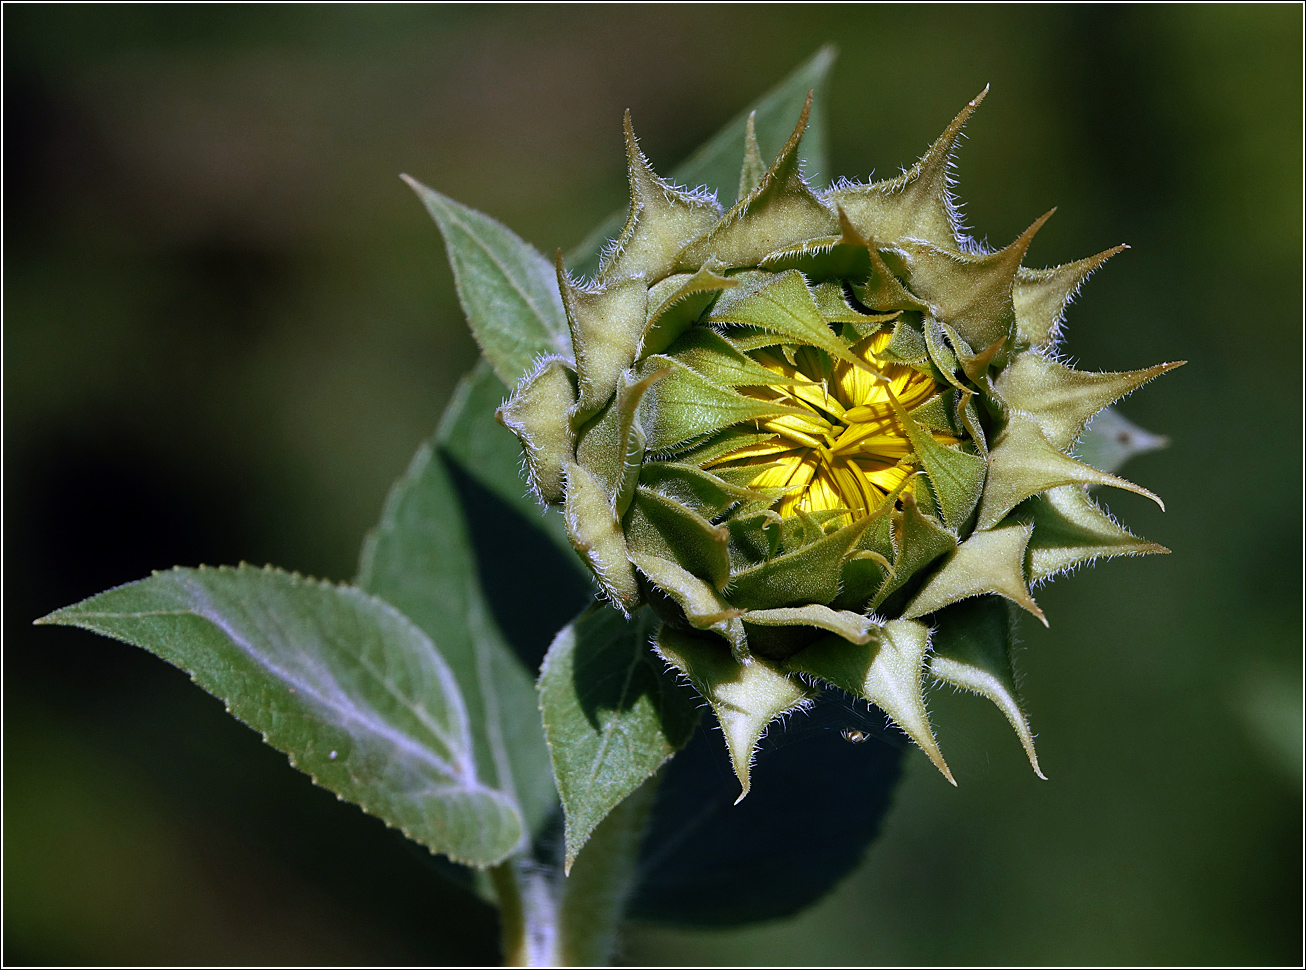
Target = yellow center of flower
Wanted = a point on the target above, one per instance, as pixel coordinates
(848, 450)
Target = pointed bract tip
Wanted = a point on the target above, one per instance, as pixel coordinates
(802, 120)
(848, 233)
(962, 117)
(1025, 238)
(742, 795)
(934, 754)
(1037, 224)
(1094, 263)
(1138, 489)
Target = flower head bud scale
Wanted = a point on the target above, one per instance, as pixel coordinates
(813, 428)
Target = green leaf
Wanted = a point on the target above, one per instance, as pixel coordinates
(700, 490)
(884, 291)
(355, 693)
(1040, 296)
(537, 414)
(686, 297)
(612, 715)
(612, 446)
(826, 261)
(850, 626)
(1111, 439)
(754, 167)
(507, 289)
(920, 539)
(708, 353)
(717, 163)
(595, 533)
(956, 478)
(916, 204)
(971, 293)
(906, 345)
(422, 559)
(419, 560)
(606, 326)
(595, 892)
(662, 219)
(781, 212)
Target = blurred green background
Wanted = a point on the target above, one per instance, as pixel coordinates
(228, 325)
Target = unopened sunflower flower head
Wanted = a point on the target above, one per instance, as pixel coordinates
(814, 428)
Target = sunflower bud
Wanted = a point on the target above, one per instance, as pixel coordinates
(812, 429)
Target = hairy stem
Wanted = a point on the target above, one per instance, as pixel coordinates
(547, 919)
(527, 913)
(593, 897)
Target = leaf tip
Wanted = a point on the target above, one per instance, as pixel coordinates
(423, 192)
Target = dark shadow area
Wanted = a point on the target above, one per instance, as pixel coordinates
(530, 606)
(817, 801)
(86, 513)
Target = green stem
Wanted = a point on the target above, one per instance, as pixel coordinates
(527, 913)
(547, 919)
(594, 894)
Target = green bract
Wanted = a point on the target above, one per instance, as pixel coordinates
(812, 429)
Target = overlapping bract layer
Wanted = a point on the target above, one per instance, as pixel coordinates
(812, 428)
